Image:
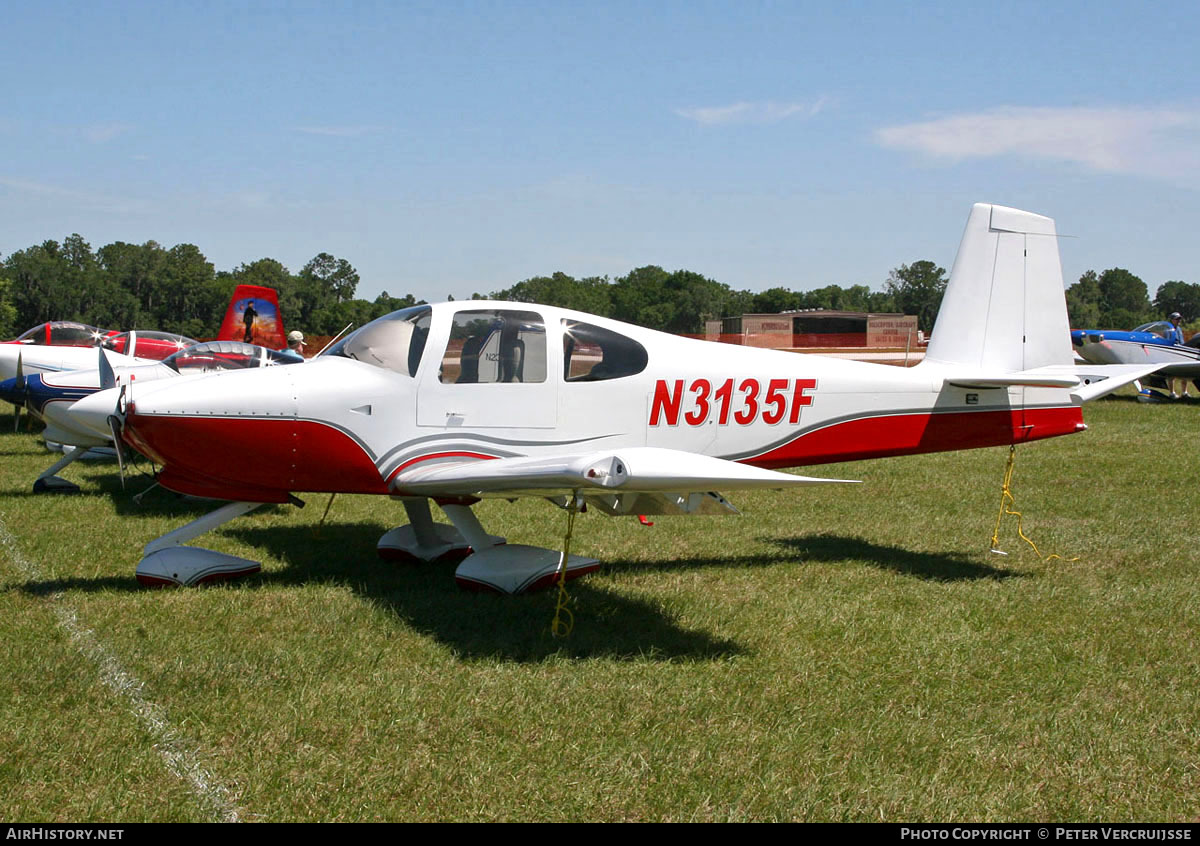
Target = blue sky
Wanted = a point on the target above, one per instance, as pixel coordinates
(446, 148)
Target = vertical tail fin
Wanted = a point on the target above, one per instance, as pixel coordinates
(1005, 306)
(254, 316)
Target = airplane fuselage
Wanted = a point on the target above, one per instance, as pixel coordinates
(1114, 347)
(346, 425)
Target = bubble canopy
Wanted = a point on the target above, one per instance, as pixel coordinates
(147, 344)
(62, 333)
(212, 356)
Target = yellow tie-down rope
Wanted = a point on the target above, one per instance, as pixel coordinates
(564, 620)
(1006, 501)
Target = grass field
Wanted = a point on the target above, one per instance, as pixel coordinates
(845, 654)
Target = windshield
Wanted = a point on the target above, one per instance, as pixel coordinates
(213, 356)
(394, 341)
(1159, 327)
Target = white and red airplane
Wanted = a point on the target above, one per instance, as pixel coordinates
(463, 400)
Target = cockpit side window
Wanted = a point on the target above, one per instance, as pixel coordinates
(395, 341)
(495, 345)
(594, 354)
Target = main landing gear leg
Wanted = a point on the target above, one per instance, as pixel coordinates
(50, 483)
(167, 562)
(424, 540)
(507, 568)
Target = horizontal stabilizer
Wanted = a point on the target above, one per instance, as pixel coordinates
(1098, 380)
(1086, 381)
(1041, 377)
(646, 469)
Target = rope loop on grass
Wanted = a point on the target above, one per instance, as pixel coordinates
(564, 620)
(1007, 507)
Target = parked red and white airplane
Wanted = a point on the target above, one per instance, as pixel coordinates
(473, 399)
(252, 316)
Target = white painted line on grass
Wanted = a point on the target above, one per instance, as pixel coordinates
(180, 758)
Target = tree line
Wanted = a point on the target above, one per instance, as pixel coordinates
(177, 289)
(148, 286)
(681, 301)
(1117, 299)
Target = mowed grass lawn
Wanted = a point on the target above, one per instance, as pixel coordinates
(847, 653)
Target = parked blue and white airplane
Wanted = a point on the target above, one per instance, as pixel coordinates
(1150, 343)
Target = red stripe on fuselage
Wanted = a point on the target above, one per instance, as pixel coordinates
(477, 455)
(252, 459)
(262, 460)
(909, 434)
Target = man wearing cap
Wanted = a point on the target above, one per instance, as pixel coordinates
(295, 344)
(1175, 336)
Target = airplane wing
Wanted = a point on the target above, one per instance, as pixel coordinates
(634, 480)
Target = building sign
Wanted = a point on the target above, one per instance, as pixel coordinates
(892, 330)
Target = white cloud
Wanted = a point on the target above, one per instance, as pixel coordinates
(743, 113)
(1159, 142)
(77, 199)
(336, 131)
(251, 199)
(98, 133)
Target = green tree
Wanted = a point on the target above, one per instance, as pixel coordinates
(917, 288)
(8, 311)
(1124, 300)
(42, 284)
(385, 303)
(678, 302)
(134, 271)
(774, 301)
(327, 280)
(590, 294)
(190, 302)
(1178, 296)
(641, 297)
(1083, 302)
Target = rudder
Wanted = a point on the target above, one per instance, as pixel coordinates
(1005, 306)
(264, 324)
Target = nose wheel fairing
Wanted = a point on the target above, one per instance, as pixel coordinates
(166, 561)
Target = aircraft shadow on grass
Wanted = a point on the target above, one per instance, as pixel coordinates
(424, 597)
(935, 566)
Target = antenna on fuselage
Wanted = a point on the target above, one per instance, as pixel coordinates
(335, 337)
